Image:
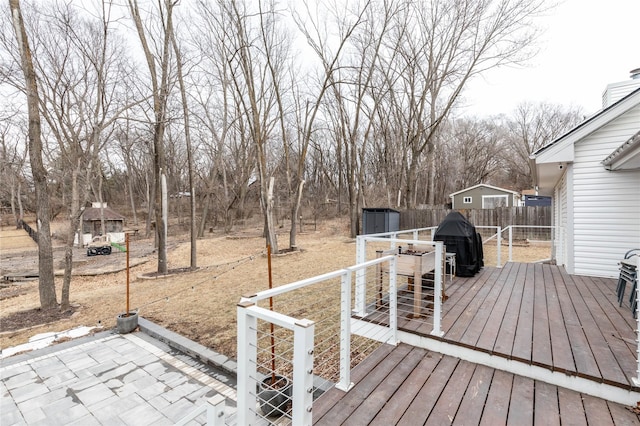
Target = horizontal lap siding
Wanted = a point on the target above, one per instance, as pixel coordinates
(606, 205)
(560, 218)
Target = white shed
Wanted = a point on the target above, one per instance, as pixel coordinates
(593, 174)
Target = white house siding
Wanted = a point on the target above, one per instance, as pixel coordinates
(606, 205)
(560, 221)
(616, 91)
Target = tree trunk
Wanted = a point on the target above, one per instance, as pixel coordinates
(187, 135)
(132, 199)
(205, 213)
(294, 216)
(270, 233)
(13, 203)
(46, 284)
(74, 218)
(160, 93)
(150, 196)
(161, 222)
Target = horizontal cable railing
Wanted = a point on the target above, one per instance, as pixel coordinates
(290, 355)
(421, 282)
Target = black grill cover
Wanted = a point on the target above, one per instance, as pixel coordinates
(460, 237)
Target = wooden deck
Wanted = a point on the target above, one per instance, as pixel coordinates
(531, 313)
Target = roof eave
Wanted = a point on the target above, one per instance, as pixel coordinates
(627, 156)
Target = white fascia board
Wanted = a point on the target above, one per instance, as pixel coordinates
(485, 186)
(561, 153)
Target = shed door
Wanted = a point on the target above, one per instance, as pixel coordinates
(379, 222)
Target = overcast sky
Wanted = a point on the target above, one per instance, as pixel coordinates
(586, 45)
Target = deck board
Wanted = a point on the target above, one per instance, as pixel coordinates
(507, 332)
(481, 317)
(451, 397)
(623, 415)
(329, 400)
(615, 330)
(487, 339)
(521, 405)
(352, 399)
(541, 338)
(365, 413)
(597, 411)
(546, 401)
(468, 318)
(424, 401)
(497, 407)
(523, 338)
(585, 363)
(474, 397)
(405, 393)
(561, 355)
(571, 407)
(608, 368)
(451, 319)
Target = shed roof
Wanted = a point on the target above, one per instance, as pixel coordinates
(483, 185)
(93, 213)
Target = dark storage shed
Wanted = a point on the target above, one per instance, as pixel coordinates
(460, 237)
(376, 221)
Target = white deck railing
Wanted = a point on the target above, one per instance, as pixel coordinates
(367, 246)
(307, 339)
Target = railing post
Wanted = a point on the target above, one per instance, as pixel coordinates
(393, 301)
(437, 292)
(393, 237)
(345, 333)
(415, 234)
(510, 243)
(636, 380)
(361, 289)
(247, 360)
(215, 410)
(499, 246)
(302, 372)
(433, 233)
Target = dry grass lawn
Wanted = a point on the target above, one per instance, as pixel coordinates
(200, 305)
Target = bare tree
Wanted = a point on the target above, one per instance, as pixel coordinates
(46, 285)
(441, 46)
(254, 94)
(530, 127)
(160, 93)
(81, 78)
(187, 136)
(13, 158)
(478, 147)
(360, 34)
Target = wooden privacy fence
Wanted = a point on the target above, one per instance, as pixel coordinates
(500, 216)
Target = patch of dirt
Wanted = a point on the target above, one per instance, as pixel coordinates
(32, 317)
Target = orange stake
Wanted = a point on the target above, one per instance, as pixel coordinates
(273, 343)
(126, 239)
